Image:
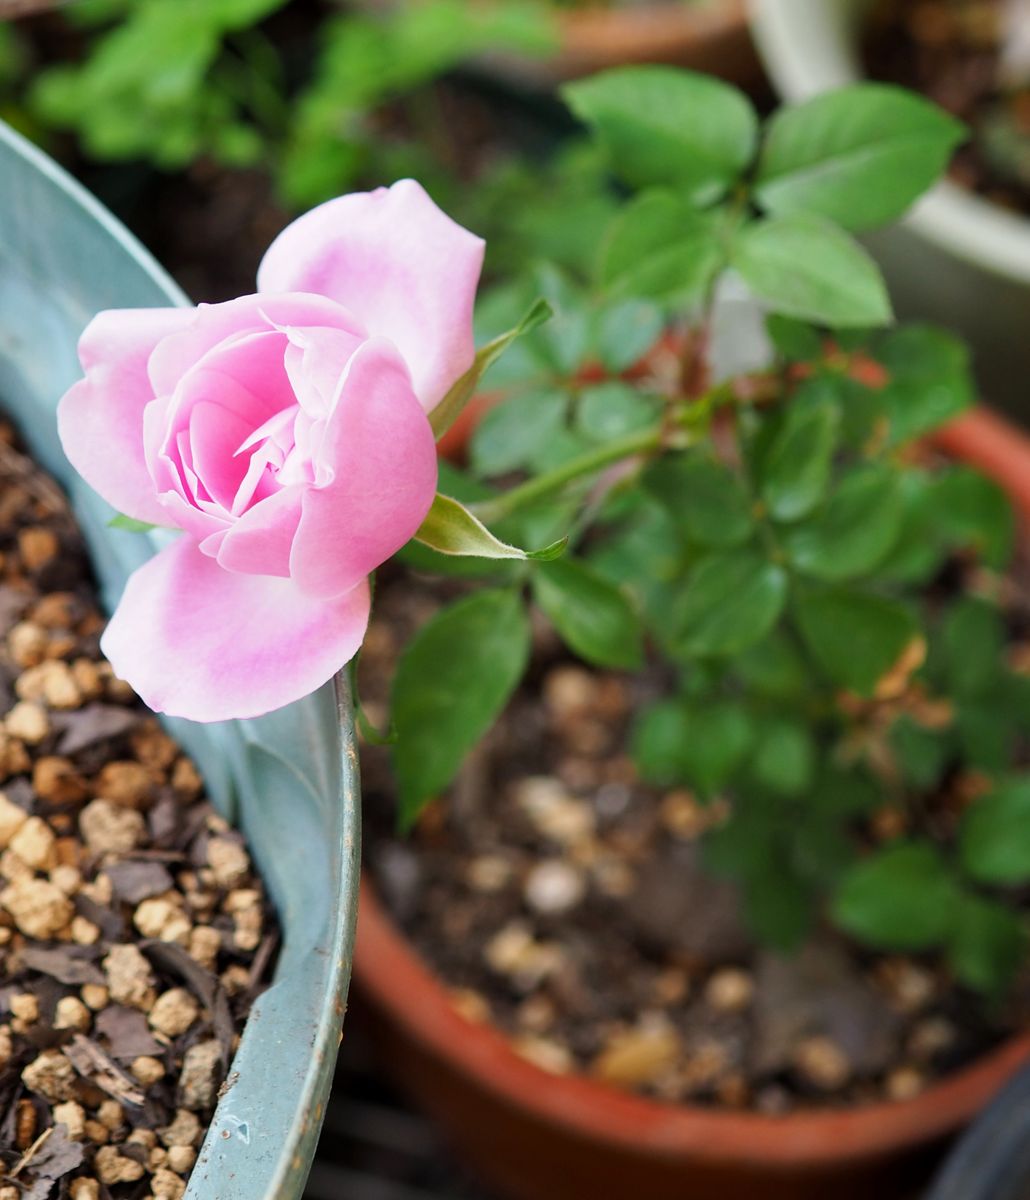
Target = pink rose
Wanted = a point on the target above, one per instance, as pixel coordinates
(286, 434)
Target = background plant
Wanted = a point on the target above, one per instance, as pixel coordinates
(173, 81)
(822, 592)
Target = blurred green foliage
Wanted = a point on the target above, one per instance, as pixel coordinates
(172, 81)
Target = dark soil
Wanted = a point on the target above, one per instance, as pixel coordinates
(134, 935)
(566, 902)
(966, 56)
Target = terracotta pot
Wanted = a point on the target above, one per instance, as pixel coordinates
(705, 35)
(708, 36)
(536, 1136)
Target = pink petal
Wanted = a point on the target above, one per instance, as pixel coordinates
(215, 323)
(100, 419)
(197, 641)
(215, 433)
(400, 265)
(260, 541)
(381, 459)
(315, 362)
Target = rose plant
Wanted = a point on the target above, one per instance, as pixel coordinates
(820, 592)
(288, 435)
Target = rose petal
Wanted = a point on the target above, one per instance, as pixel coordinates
(260, 541)
(213, 324)
(100, 419)
(380, 451)
(214, 434)
(400, 265)
(197, 641)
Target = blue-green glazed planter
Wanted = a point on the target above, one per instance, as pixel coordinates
(288, 780)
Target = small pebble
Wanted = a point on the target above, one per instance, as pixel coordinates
(473, 1006)
(198, 1080)
(569, 691)
(25, 1007)
(39, 909)
(229, 862)
(34, 844)
(553, 812)
(110, 829)
(909, 986)
(129, 976)
(554, 887)
(113, 1167)
(488, 873)
(73, 1117)
(821, 1063)
(904, 1083)
(730, 990)
(181, 1158)
(51, 1075)
(544, 1053)
(932, 1036)
(173, 1012)
(637, 1056)
(28, 721)
(71, 1013)
(147, 1070)
(12, 818)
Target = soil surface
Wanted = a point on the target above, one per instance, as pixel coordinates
(973, 58)
(134, 935)
(566, 902)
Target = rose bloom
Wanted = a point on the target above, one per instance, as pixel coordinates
(286, 434)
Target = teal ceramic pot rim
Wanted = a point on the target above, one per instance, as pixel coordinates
(289, 780)
(808, 46)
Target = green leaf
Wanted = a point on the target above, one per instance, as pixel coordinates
(703, 744)
(859, 156)
(130, 524)
(994, 839)
(975, 513)
(987, 730)
(449, 528)
(610, 410)
(853, 531)
(592, 616)
(625, 331)
(778, 906)
(665, 126)
(774, 668)
(930, 380)
(796, 466)
(447, 411)
(715, 741)
(974, 642)
(660, 248)
(987, 945)
(805, 267)
(657, 740)
(784, 758)
(730, 602)
(514, 432)
(563, 343)
(901, 898)
(855, 637)
(705, 498)
(796, 341)
(452, 681)
(919, 551)
(922, 754)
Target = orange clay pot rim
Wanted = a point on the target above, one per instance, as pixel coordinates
(659, 21)
(388, 969)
